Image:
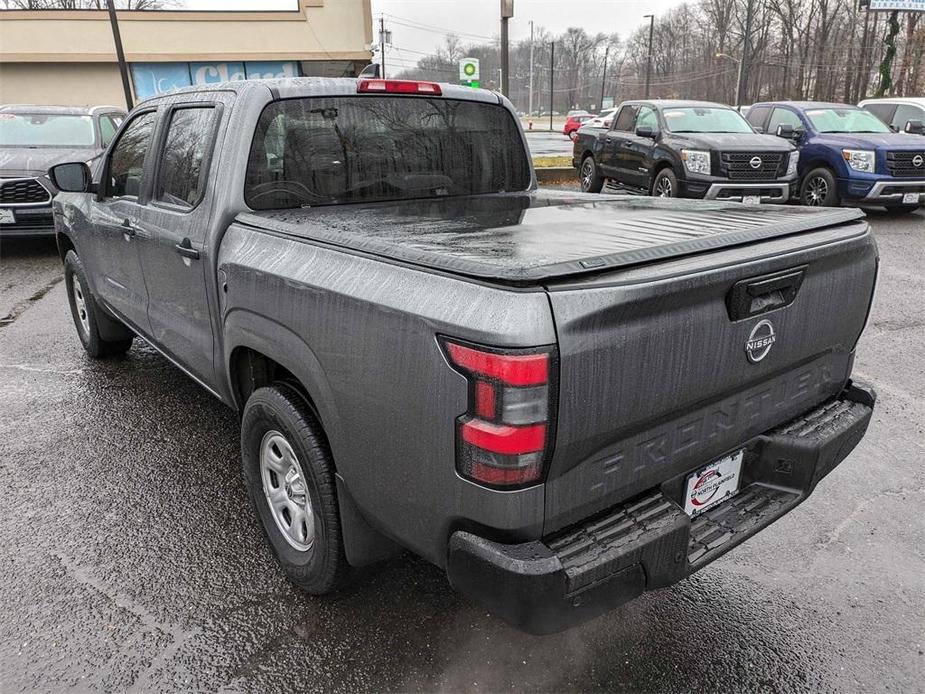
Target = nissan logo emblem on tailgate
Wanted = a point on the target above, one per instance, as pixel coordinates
(755, 162)
(759, 341)
(917, 160)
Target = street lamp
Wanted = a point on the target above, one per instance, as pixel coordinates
(738, 74)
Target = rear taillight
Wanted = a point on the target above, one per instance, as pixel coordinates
(505, 436)
(399, 87)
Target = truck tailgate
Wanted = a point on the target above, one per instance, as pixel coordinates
(655, 377)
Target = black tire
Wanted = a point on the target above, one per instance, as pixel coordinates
(87, 314)
(322, 567)
(902, 209)
(665, 184)
(589, 176)
(818, 189)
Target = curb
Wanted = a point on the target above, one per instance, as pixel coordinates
(557, 173)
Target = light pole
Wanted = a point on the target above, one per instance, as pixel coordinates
(120, 54)
(651, 18)
(507, 11)
(738, 74)
(604, 77)
(530, 109)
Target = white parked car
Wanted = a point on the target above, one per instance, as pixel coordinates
(602, 120)
(897, 111)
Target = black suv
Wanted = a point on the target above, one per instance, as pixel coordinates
(691, 149)
(34, 138)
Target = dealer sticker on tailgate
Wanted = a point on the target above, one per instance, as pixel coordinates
(713, 484)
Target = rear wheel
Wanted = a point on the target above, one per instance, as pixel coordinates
(818, 189)
(665, 184)
(88, 315)
(289, 474)
(590, 176)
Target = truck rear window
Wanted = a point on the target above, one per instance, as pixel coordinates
(321, 151)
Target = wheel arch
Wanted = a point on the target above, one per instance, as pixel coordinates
(260, 352)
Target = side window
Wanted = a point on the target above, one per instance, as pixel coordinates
(905, 113)
(757, 116)
(647, 116)
(783, 116)
(181, 173)
(883, 111)
(108, 127)
(626, 119)
(126, 165)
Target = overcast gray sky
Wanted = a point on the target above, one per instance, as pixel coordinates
(471, 19)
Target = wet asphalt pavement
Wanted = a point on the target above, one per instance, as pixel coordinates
(130, 558)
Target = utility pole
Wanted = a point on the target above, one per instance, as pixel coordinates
(381, 44)
(530, 109)
(651, 18)
(552, 74)
(604, 78)
(120, 55)
(740, 82)
(507, 11)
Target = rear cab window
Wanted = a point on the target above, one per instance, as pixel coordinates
(350, 149)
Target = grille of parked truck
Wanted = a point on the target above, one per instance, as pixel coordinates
(687, 149)
(563, 400)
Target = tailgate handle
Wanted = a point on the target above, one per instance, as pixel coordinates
(751, 297)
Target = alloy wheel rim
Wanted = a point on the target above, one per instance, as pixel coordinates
(587, 173)
(285, 489)
(80, 303)
(816, 191)
(663, 187)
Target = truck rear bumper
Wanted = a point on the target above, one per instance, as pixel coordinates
(649, 542)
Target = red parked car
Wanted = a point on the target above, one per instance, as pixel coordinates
(575, 121)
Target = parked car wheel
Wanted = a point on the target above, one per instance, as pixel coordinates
(572, 135)
(590, 177)
(665, 184)
(87, 314)
(818, 189)
(289, 474)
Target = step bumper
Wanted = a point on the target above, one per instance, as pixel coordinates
(552, 584)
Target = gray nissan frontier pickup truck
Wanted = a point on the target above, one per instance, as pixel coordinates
(561, 399)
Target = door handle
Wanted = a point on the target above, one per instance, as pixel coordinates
(185, 248)
(128, 228)
(756, 295)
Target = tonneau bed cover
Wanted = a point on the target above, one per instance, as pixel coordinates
(544, 235)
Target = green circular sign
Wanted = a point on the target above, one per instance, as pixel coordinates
(469, 69)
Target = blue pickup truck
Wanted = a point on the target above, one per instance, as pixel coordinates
(847, 155)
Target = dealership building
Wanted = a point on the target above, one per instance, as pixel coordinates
(68, 56)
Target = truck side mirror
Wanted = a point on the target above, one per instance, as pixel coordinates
(371, 71)
(786, 131)
(914, 127)
(72, 177)
(645, 131)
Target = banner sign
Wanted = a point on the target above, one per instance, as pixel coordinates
(899, 5)
(151, 79)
